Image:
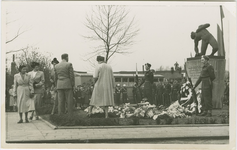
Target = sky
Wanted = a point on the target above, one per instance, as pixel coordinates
(163, 38)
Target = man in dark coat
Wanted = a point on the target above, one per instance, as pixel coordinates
(148, 83)
(167, 94)
(206, 77)
(159, 93)
(134, 92)
(124, 94)
(117, 95)
(175, 91)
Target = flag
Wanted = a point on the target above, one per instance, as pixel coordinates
(222, 13)
(220, 40)
(220, 35)
(136, 75)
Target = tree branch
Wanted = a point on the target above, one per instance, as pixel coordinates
(13, 51)
(18, 34)
(108, 24)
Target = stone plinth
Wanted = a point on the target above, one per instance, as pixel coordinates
(194, 67)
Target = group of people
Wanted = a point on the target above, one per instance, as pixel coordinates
(163, 93)
(82, 95)
(121, 94)
(12, 103)
(28, 89)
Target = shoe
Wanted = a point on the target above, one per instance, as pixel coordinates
(31, 118)
(37, 118)
(21, 121)
(27, 121)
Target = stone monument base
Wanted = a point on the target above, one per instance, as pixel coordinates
(194, 67)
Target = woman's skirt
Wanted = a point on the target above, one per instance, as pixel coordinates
(31, 104)
(23, 96)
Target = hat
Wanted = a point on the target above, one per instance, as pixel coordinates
(118, 84)
(149, 65)
(55, 61)
(124, 85)
(33, 64)
(100, 58)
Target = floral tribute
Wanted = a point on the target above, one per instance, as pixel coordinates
(146, 110)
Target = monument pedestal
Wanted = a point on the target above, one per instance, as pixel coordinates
(194, 67)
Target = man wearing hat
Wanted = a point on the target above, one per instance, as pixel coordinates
(207, 38)
(206, 77)
(148, 83)
(117, 94)
(65, 82)
(124, 94)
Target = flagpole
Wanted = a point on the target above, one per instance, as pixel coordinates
(222, 16)
(136, 68)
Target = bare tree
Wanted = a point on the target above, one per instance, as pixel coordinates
(109, 25)
(18, 33)
(32, 54)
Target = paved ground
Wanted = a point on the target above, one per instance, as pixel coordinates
(38, 131)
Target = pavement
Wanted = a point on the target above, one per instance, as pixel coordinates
(39, 131)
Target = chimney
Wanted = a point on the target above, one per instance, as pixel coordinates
(143, 68)
(13, 57)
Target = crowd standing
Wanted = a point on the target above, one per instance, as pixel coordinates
(29, 93)
(121, 94)
(162, 93)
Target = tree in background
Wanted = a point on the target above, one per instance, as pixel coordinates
(18, 33)
(110, 26)
(32, 54)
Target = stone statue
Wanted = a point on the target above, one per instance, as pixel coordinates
(207, 38)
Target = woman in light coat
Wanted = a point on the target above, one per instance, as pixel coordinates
(22, 92)
(38, 85)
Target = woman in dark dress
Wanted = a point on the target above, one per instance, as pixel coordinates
(53, 88)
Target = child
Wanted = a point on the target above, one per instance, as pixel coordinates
(12, 102)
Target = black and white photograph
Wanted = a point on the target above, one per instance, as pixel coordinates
(146, 75)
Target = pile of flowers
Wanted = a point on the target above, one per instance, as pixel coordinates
(175, 110)
(146, 110)
(95, 110)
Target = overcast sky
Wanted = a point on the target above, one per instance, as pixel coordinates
(164, 36)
